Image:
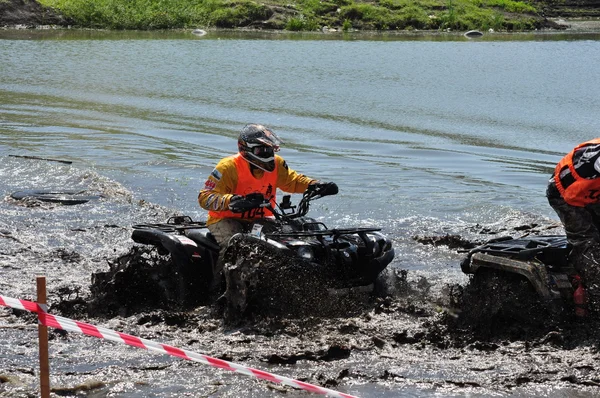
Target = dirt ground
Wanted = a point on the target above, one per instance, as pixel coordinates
(411, 339)
(579, 25)
(28, 14)
(416, 335)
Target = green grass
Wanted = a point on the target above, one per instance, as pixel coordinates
(301, 15)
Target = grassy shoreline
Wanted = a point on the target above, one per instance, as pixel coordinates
(303, 15)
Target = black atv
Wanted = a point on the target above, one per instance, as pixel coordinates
(285, 264)
(525, 280)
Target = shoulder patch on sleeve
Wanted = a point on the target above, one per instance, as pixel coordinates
(285, 166)
(216, 174)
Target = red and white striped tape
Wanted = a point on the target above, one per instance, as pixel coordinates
(59, 322)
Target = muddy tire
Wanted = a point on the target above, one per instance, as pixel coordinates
(239, 282)
(497, 304)
(383, 285)
(265, 281)
(138, 281)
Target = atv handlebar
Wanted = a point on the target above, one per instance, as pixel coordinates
(321, 189)
(242, 204)
(313, 191)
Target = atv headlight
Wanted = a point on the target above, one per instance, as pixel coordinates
(306, 253)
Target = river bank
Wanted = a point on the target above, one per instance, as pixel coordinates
(30, 14)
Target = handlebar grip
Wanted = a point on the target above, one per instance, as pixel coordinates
(248, 202)
(324, 188)
(331, 189)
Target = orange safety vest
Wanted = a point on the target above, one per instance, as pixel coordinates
(576, 190)
(247, 184)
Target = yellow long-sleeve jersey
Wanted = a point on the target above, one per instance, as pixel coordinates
(221, 184)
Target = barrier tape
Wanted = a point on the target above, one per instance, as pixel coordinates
(59, 322)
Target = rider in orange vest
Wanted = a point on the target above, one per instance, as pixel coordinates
(237, 181)
(574, 193)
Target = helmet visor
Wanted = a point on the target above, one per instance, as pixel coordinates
(270, 139)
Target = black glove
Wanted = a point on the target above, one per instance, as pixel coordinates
(240, 204)
(324, 188)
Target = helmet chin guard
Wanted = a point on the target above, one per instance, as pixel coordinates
(257, 144)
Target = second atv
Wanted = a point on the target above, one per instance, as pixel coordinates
(523, 280)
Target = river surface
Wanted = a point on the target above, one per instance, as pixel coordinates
(424, 135)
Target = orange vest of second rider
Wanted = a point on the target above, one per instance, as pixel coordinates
(247, 184)
(580, 191)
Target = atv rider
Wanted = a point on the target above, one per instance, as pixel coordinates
(241, 182)
(574, 193)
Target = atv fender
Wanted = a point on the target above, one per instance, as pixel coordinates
(176, 245)
(204, 238)
(536, 275)
(244, 237)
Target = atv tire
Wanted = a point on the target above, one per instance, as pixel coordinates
(499, 304)
(145, 280)
(134, 283)
(266, 281)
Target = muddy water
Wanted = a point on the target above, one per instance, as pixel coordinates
(425, 138)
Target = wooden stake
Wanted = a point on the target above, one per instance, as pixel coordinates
(43, 341)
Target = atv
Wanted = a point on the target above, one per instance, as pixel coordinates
(288, 263)
(528, 279)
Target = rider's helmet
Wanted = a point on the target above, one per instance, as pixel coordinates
(257, 144)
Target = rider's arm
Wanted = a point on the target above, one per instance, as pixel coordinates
(289, 180)
(218, 188)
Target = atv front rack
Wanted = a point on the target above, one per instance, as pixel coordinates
(174, 224)
(371, 246)
(324, 232)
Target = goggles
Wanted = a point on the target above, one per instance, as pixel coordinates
(264, 151)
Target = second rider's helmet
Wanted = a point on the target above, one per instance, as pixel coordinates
(257, 144)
